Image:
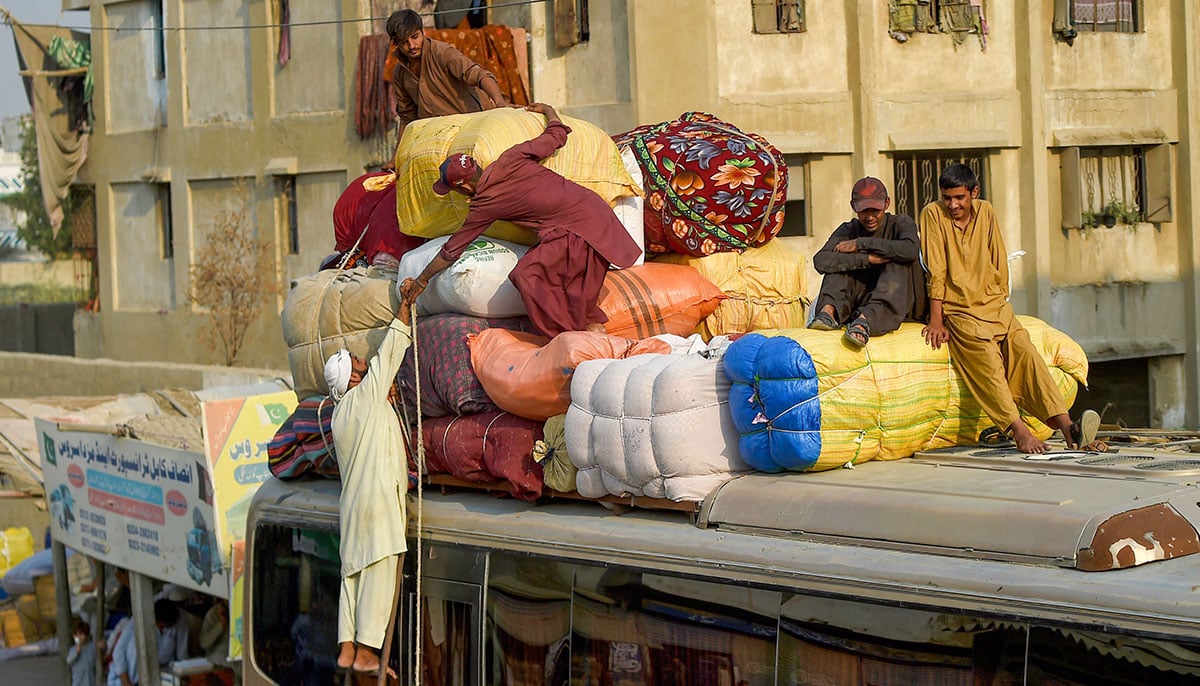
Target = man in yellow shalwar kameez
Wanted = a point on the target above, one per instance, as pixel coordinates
(967, 268)
(373, 466)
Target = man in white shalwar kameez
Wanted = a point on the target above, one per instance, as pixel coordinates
(374, 472)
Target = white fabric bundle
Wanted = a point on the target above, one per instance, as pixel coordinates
(476, 284)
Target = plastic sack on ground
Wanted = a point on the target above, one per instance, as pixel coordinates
(476, 283)
(653, 299)
(529, 376)
(765, 288)
(492, 446)
(710, 187)
(16, 544)
(551, 453)
(448, 383)
(335, 309)
(652, 425)
(805, 400)
(589, 158)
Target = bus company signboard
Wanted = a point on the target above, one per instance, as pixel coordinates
(170, 514)
(140, 506)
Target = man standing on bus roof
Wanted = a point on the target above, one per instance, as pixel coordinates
(872, 267)
(967, 266)
(373, 465)
(432, 78)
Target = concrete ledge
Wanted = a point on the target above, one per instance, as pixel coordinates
(30, 374)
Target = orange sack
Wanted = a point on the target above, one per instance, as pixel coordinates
(657, 298)
(530, 376)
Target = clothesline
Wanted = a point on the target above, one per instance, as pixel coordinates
(8, 19)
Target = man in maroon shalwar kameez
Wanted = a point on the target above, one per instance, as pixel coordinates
(578, 235)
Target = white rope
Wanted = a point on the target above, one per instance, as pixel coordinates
(418, 630)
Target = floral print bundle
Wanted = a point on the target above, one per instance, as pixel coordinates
(710, 187)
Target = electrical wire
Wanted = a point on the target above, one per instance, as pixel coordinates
(8, 19)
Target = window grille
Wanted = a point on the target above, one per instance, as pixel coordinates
(778, 16)
(1111, 16)
(795, 209)
(917, 175)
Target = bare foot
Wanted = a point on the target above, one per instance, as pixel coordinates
(365, 660)
(597, 328)
(345, 654)
(1025, 440)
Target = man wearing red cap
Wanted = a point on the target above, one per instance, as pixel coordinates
(873, 276)
(560, 277)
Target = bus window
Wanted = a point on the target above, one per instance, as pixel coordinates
(295, 622)
(450, 632)
(632, 628)
(826, 640)
(1085, 658)
(528, 621)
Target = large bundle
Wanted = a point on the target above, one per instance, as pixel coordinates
(652, 299)
(653, 425)
(493, 446)
(804, 400)
(335, 309)
(589, 158)
(709, 186)
(764, 287)
(475, 284)
(448, 383)
(529, 376)
(365, 216)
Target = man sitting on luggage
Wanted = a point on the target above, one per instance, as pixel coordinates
(873, 276)
(578, 235)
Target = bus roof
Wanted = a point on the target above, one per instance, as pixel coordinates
(768, 544)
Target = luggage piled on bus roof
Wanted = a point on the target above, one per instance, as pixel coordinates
(674, 398)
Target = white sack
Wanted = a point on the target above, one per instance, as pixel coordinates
(476, 284)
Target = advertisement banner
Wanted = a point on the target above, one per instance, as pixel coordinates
(143, 507)
(236, 434)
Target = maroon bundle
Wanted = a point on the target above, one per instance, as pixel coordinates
(448, 383)
(486, 447)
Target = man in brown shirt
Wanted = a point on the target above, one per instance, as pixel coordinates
(872, 268)
(967, 267)
(432, 78)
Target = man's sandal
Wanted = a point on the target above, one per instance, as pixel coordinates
(1083, 432)
(858, 333)
(823, 322)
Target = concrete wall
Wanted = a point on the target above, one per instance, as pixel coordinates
(56, 273)
(44, 328)
(70, 376)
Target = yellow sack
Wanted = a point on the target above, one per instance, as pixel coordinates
(765, 288)
(16, 544)
(897, 395)
(589, 158)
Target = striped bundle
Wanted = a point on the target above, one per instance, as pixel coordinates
(303, 445)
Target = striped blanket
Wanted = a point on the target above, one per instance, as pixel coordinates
(303, 445)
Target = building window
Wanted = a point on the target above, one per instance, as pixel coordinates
(795, 210)
(571, 25)
(166, 230)
(289, 215)
(160, 40)
(917, 175)
(778, 16)
(1110, 16)
(1115, 185)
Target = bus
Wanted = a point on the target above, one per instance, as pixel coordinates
(968, 566)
